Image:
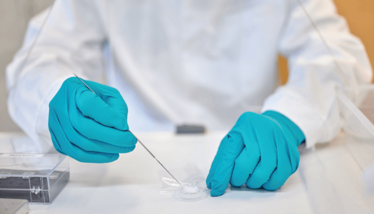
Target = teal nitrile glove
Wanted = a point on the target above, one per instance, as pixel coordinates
(259, 151)
(89, 127)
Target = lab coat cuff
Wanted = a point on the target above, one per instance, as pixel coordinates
(298, 111)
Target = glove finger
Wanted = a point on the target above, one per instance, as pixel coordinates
(287, 164)
(268, 162)
(91, 136)
(63, 145)
(245, 164)
(278, 178)
(230, 148)
(222, 146)
(92, 157)
(98, 132)
(109, 95)
(81, 141)
(260, 175)
(91, 105)
(215, 163)
(97, 146)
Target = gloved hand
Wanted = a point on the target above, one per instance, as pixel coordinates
(259, 151)
(89, 127)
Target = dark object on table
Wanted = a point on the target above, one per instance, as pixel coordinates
(190, 129)
(35, 177)
(38, 189)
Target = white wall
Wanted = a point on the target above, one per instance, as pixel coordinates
(14, 16)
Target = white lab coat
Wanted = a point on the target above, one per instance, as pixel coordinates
(191, 61)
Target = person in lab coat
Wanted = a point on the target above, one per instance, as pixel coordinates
(186, 62)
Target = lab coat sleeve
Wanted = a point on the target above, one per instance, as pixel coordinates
(70, 42)
(309, 97)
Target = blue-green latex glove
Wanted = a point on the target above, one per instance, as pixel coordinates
(259, 151)
(89, 127)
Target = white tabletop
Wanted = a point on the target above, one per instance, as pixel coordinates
(329, 180)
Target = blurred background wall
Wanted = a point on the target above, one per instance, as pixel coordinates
(14, 15)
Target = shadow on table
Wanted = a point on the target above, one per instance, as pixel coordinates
(253, 193)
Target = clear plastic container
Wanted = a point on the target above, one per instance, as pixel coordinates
(366, 102)
(358, 120)
(358, 117)
(192, 187)
(36, 177)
